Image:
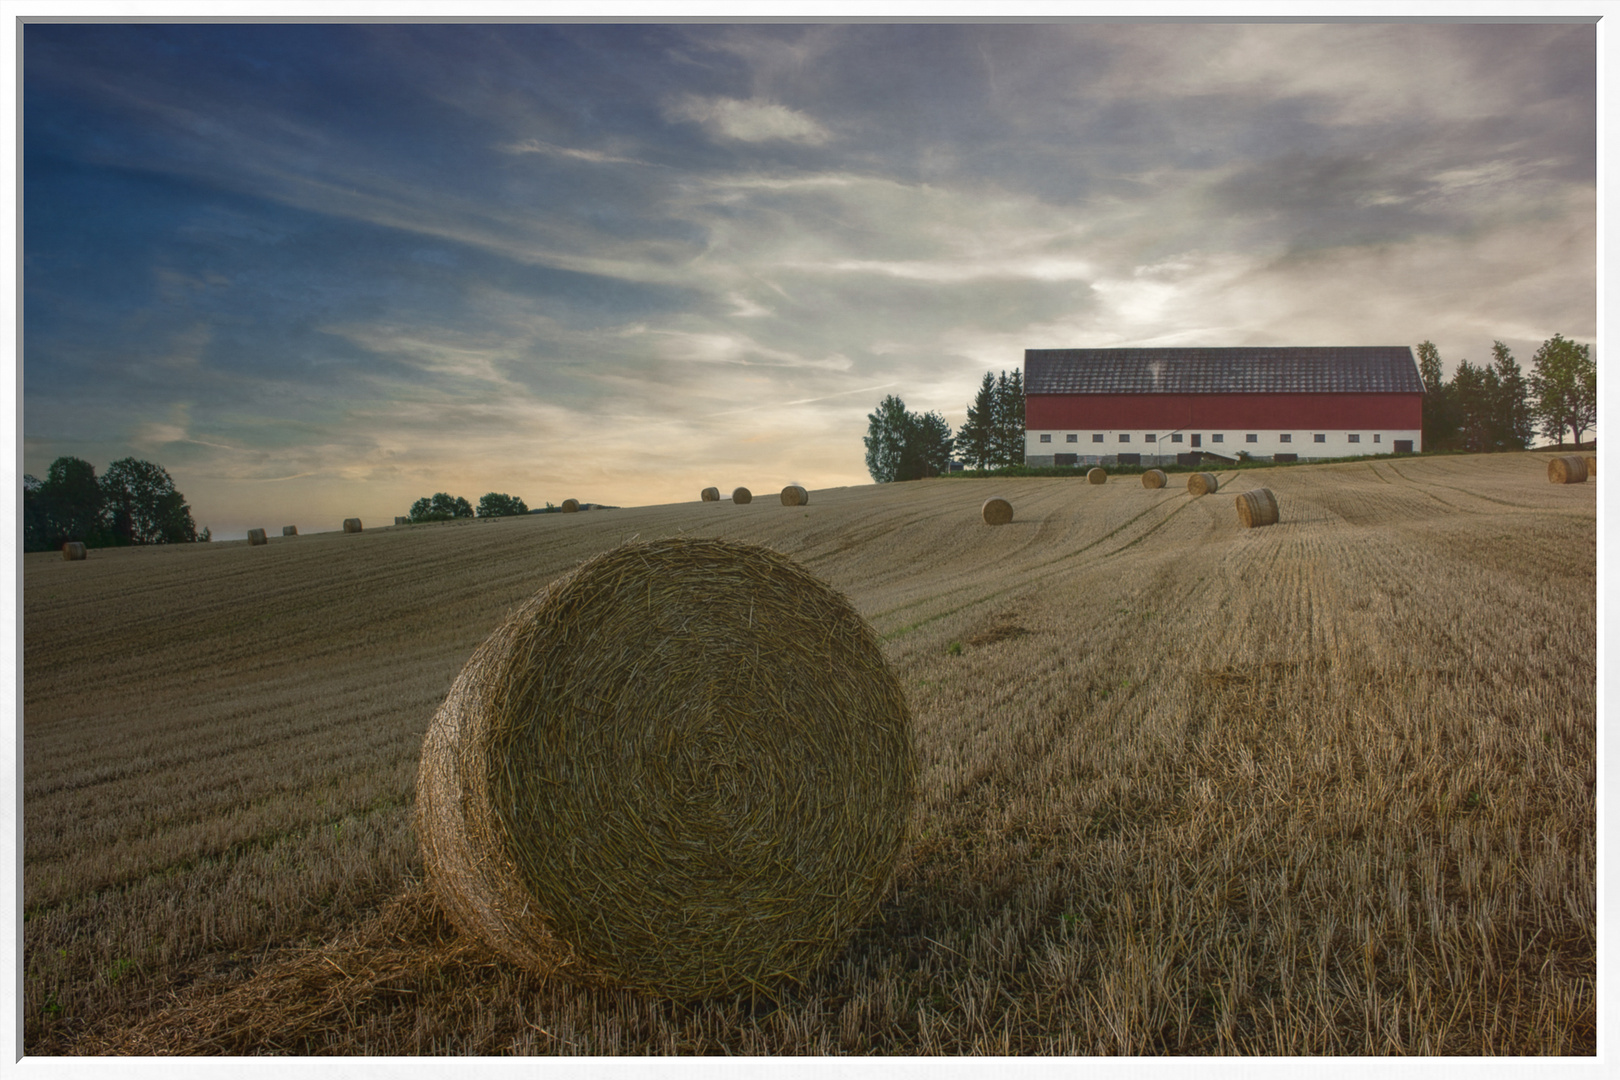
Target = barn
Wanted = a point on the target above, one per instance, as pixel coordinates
(1153, 406)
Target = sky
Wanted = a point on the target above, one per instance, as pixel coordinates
(319, 271)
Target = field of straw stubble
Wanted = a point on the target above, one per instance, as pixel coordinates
(1326, 787)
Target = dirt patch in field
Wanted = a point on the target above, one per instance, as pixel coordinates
(1003, 628)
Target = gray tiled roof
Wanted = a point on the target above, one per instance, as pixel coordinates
(1377, 369)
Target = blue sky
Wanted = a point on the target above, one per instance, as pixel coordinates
(319, 271)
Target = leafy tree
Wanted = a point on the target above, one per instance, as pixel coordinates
(1439, 409)
(440, 507)
(1563, 386)
(975, 440)
(902, 445)
(144, 506)
(1007, 444)
(497, 505)
(1514, 423)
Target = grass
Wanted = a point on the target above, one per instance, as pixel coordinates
(1322, 788)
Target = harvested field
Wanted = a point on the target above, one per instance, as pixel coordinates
(1326, 787)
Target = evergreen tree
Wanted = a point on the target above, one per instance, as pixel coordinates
(1475, 396)
(1007, 444)
(1439, 413)
(1514, 424)
(975, 440)
(1563, 385)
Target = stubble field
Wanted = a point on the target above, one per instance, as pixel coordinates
(1326, 787)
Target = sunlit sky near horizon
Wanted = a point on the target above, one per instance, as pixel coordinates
(319, 271)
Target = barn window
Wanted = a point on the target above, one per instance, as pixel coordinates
(1150, 437)
(1320, 438)
(1285, 438)
(1071, 438)
(1176, 437)
(1046, 438)
(1097, 437)
(1217, 437)
(1124, 436)
(1378, 438)
(1251, 437)
(1355, 438)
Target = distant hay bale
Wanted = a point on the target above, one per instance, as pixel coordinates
(742, 495)
(1256, 508)
(73, 551)
(684, 768)
(1097, 476)
(257, 537)
(398, 520)
(1154, 478)
(996, 511)
(794, 495)
(1202, 483)
(1567, 470)
(292, 530)
(711, 494)
(351, 525)
(570, 506)
(1591, 466)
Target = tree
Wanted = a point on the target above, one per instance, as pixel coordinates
(440, 507)
(1563, 385)
(902, 445)
(497, 505)
(975, 439)
(144, 506)
(1008, 441)
(1513, 424)
(1475, 396)
(1439, 412)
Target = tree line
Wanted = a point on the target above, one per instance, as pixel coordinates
(134, 502)
(903, 445)
(1496, 406)
(445, 507)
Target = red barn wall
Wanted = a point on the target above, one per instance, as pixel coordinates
(1191, 412)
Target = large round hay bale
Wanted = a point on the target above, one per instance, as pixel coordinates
(257, 537)
(1202, 483)
(570, 506)
(1097, 476)
(794, 495)
(1154, 478)
(292, 530)
(996, 511)
(73, 551)
(1256, 508)
(1570, 469)
(711, 494)
(742, 495)
(683, 767)
(1591, 466)
(351, 525)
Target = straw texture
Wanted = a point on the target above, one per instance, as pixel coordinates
(1097, 476)
(73, 551)
(684, 768)
(1567, 470)
(794, 495)
(351, 525)
(711, 494)
(1153, 478)
(996, 511)
(742, 495)
(1202, 483)
(570, 506)
(1256, 508)
(1591, 466)
(257, 537)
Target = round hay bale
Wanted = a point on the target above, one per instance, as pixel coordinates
(1591, 466)
(73, 551)
(1256, 508)
(1097, 476)
(742, 495)
(996, 511)
(1202, 483)
(683, 767)
(711, 494)
(1570, 469)
(570, 506)
(794, 495)
(351, 525)
(1154, 478)
(292, 530)
(257, 537)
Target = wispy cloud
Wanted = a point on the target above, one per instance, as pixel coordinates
(749, 121)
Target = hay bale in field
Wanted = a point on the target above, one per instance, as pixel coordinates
(711, 494)
(73, 551)
(1154, 478)
(683, 767)
(257, 537)
(292, 530)
(351, 525)
(570, 506)
(1570, 469)
(1202, 483)
(742, 495)
(996, 511)
(794, 495)
(1591, 466)
(1097, 476)
(1256, 508)
(398, 520)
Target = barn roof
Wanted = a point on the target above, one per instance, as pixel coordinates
(1349, 369)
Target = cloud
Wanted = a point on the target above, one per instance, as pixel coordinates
(749, 121)
(540, 146)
